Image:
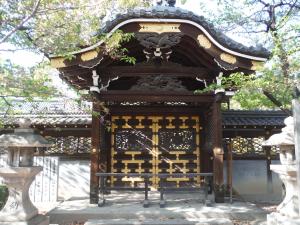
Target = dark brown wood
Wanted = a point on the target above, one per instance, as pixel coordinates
(133, 96)
(156, 110)
(95, 152)
(218, 151)
(247, 132)
(268, 164)
(144, 70)
(65, 132)
(229, 170)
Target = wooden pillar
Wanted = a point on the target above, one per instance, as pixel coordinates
(229, 169)
(268, 164)
(95, 152)
(218, 151)
(296, 115)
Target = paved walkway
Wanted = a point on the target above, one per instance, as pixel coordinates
(181, 207)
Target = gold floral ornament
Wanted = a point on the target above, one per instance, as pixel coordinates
(203, 41)
(86, 56)
(228, 58)
(256, 65)
(57, 62)
(160, 27)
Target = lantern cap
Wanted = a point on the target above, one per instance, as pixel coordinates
(286, 137)
(23, 137)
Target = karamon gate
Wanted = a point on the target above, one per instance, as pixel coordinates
(155, 121)
(155, 144)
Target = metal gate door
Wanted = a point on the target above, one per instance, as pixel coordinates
(155, 144)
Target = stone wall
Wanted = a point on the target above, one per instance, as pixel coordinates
(250, 181)
(74, 179)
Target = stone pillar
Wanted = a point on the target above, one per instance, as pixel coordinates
(296, 115)
(288, 211)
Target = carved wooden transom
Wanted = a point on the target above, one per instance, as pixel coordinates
(158, 83)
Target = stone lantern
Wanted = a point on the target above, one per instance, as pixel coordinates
(19, 174)
(287, 212)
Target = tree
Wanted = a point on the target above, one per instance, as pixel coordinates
(16, 81)
(276, 24)
(52, 27)
(55, 27)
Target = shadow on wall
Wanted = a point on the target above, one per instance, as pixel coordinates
(250, 181)
(74, 179)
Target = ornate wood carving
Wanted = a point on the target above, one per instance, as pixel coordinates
(158, 45)
(158, 83)
(154, 40)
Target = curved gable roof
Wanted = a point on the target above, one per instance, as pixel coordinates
(169, 14)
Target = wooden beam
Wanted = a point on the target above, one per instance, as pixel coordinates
(166, 70)
(134, 96)
(156, 109)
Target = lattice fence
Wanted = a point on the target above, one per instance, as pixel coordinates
(243, 146)
(69, 145)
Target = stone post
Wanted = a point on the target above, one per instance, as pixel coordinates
(19, 174)
(296, 115)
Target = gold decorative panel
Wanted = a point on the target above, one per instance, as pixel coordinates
(155, 144)
(228, 58)
(86, 56)
(256, 65)
(160, 27)
(203, 41)
(57, 62)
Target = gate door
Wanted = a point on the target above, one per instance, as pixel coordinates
(178, 147)
(154, 144)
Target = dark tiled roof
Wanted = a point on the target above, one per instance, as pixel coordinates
(50, 119)
(178, 13)
(230, 118)
(253, 118)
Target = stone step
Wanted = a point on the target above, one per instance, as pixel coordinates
(198, 221)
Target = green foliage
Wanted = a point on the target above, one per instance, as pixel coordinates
(26, 82)
(3, 195)
(276, 25)
(113, 46)
(56, 27)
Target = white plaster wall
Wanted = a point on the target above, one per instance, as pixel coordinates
(250, 181)
(74, 179)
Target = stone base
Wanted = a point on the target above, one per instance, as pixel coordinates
(203, 221)
(37, 220)
(278, 219)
